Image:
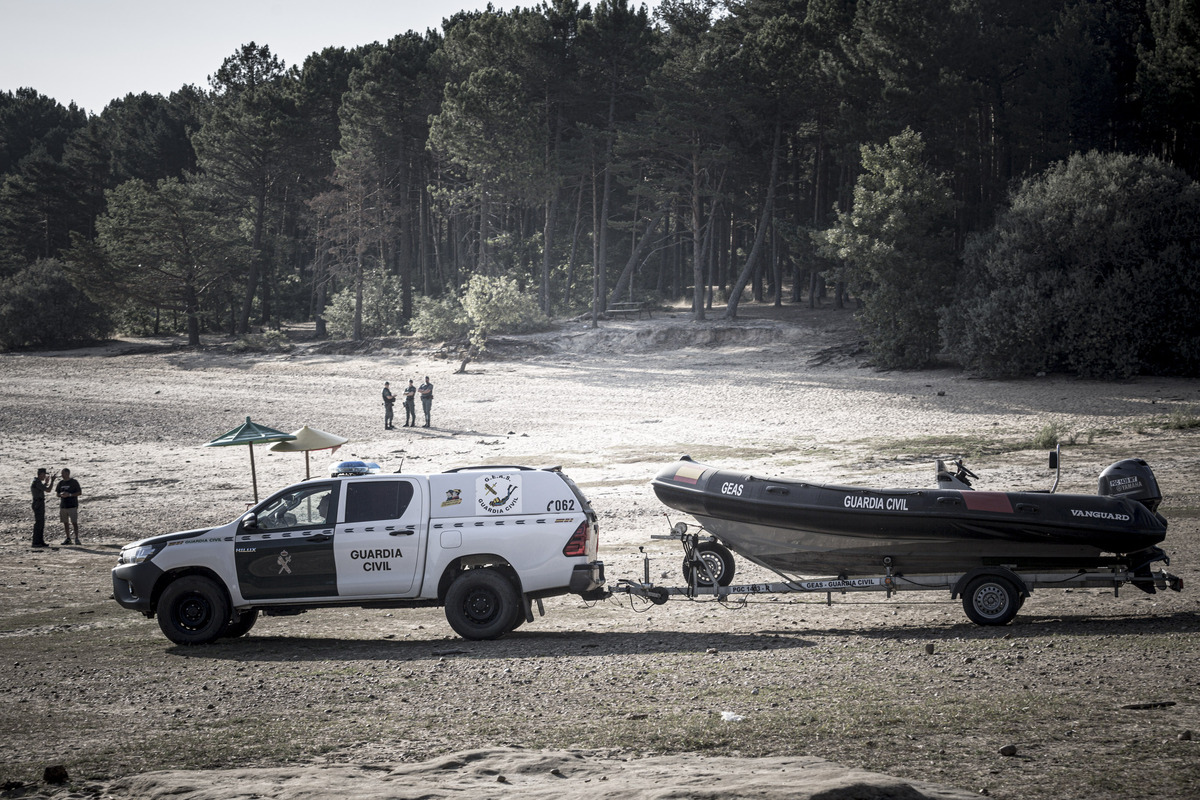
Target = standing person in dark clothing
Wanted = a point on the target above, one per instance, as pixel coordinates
(389, 400)
(410, 405)
(426, 392)
(68, 505)
(41, 484)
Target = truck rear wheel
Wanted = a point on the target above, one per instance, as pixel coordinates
(241, 625)
(991, 600)
(193, 610)
(482, 604)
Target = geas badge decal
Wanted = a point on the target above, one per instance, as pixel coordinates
(498, 494)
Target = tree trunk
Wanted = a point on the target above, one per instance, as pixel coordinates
(192, 306)
(358, 297)
(595, 301)
(735, 294)
(547, 241)
(697, 245)
(626, 276)
(731, 310)
(260, 210)
(573, 260)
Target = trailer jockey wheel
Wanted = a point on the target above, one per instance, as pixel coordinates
(991, 600)
(716, 565)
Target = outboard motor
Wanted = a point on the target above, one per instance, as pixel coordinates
(1131, 478)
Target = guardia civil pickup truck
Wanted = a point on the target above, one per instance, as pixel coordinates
(486, 543)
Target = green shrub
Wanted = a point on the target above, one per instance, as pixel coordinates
(381, 308)
(439, 319)
(497, 305)
(1054, 434)
(1091, 270)
(490, 305)
(269, 341)
(40, 307)
(1182, 419)
(897, 248)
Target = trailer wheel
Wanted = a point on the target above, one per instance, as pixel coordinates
(482, 604)
(991, 600)
(241, 625)
(716, 565)
(193, 610)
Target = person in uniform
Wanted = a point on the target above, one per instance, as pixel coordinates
(389, 400)
(41, 484)
(410, 405)
(69, 493)
(426, 392)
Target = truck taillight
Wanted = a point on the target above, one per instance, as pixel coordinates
(577, 544)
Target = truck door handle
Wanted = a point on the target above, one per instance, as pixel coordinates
(1027, 507)
(949, 501)
(409, 531)
(320, 537)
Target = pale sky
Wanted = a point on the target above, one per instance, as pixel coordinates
(93, 51)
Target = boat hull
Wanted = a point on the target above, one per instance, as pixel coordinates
(803, 528)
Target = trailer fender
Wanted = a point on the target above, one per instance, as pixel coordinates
(1003, 572)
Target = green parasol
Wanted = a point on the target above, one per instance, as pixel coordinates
(250, 434)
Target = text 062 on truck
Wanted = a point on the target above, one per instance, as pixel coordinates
(484, 542)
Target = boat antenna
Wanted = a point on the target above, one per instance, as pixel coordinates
(1054, 459)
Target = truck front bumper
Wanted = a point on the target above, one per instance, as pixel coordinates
(587, 581)
(133, 585)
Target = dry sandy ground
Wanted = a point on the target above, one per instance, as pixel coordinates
(612, 406)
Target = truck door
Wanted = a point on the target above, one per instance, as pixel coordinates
(285, 549)
(379, 544)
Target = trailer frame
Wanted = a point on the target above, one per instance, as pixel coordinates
(991, 595)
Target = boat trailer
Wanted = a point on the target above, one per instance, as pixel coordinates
(991, 595)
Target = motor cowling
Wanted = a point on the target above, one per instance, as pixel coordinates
(1131, 478)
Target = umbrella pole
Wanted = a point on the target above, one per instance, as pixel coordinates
(253, 476)
(306, 473)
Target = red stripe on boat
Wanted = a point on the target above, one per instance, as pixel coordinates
(987, 501)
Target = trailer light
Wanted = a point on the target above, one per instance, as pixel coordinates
(577, 544)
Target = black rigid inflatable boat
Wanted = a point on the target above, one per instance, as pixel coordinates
(800, 528)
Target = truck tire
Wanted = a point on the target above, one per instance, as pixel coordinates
(991, 600)
(519, 617)
(193, 610)
(482, 604)
(717, 569)
(240, 625)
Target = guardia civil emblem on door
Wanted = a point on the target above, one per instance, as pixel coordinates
(498, 494)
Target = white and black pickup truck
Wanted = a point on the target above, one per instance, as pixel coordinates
(484, 542)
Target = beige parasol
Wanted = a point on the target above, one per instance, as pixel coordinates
(307, 439)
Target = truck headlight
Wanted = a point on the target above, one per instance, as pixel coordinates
(136, 555)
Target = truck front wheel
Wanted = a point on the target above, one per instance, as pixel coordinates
(193, 610)
(482, 604)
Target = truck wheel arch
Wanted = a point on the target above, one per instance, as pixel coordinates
(461, 565)
(168, 578)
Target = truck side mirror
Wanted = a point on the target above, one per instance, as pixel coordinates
(1053, 459)
(250, 520)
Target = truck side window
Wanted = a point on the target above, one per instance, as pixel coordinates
(306, 507)
(374, 500)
